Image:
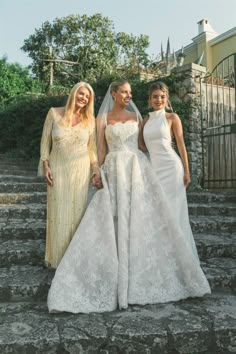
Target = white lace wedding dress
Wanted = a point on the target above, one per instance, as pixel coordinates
(127, 249)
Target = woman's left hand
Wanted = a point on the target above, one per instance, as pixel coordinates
(187, 179)
(97, 181)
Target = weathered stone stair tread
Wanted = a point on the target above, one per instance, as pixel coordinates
(17, 172)
(216, 245)
(30, 210)
(21, 179)
(4, 165)
(23, 198)
(227, 209)
(211, 197)
(16, 210)
(212, 223)
(24, 281)
(206, 325)
(17, 228)
(220, 272)
(31, 251)
(22, 187)
(15, 252)
(22, 229)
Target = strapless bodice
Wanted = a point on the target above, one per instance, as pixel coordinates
(122, 136)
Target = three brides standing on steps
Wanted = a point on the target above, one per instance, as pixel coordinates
(128, 248)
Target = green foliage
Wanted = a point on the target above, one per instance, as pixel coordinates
(21, 123)
(14, 80)
(84, 47)
(132, 51)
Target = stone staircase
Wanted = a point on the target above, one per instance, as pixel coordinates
(206, 325)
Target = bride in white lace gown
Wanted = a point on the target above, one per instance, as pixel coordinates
(127, 248)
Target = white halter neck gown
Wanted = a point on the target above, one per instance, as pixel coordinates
(169, 169)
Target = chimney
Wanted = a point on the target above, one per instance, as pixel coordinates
(204, 26)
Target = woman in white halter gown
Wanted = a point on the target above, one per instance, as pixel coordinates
(171, 170)
(127, 248)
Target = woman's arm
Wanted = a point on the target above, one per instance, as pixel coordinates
(179, 137)
(101, 140)
(45, 147)
(92, 151)
(141, 142)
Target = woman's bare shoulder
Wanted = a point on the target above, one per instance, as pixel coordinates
(172, 116)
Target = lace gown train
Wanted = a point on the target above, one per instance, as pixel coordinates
(127, 248)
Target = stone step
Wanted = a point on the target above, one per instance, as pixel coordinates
(38, 209)
(22, 252)
(202, 325)
(22, 187)
(14, 161)
(23, 198)
(20, 179)
(31, 228)
(25, 282)
(18, 172)
(216, 245)
(23, 211)
(16, 252)
(221, 273)
(209, 224)
(211, 197)
(227, 209)
(17, 229)
(5, 165)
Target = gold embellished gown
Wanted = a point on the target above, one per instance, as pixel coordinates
(70, 151)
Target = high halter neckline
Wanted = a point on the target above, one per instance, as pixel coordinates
(157, 113)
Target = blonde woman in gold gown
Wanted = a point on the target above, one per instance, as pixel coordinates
(68, 158)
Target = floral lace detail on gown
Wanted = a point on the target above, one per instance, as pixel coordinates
(127, 248)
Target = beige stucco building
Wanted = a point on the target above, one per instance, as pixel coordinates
(208, 48)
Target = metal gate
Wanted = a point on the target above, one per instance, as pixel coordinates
(218, 123)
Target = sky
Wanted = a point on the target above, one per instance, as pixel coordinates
(160, 20)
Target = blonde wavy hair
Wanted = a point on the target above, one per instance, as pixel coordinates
(87, 111)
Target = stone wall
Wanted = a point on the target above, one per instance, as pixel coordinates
(187, 88)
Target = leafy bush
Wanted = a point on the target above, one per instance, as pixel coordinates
(21, 123)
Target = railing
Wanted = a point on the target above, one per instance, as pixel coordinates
(218, 115)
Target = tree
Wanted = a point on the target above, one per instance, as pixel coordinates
(78, 47)
(132, 51)
(14, 80)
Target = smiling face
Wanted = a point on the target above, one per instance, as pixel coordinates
(82, 98)
(158, 99)
(123, 95)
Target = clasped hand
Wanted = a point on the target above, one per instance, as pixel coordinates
(97, 181)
